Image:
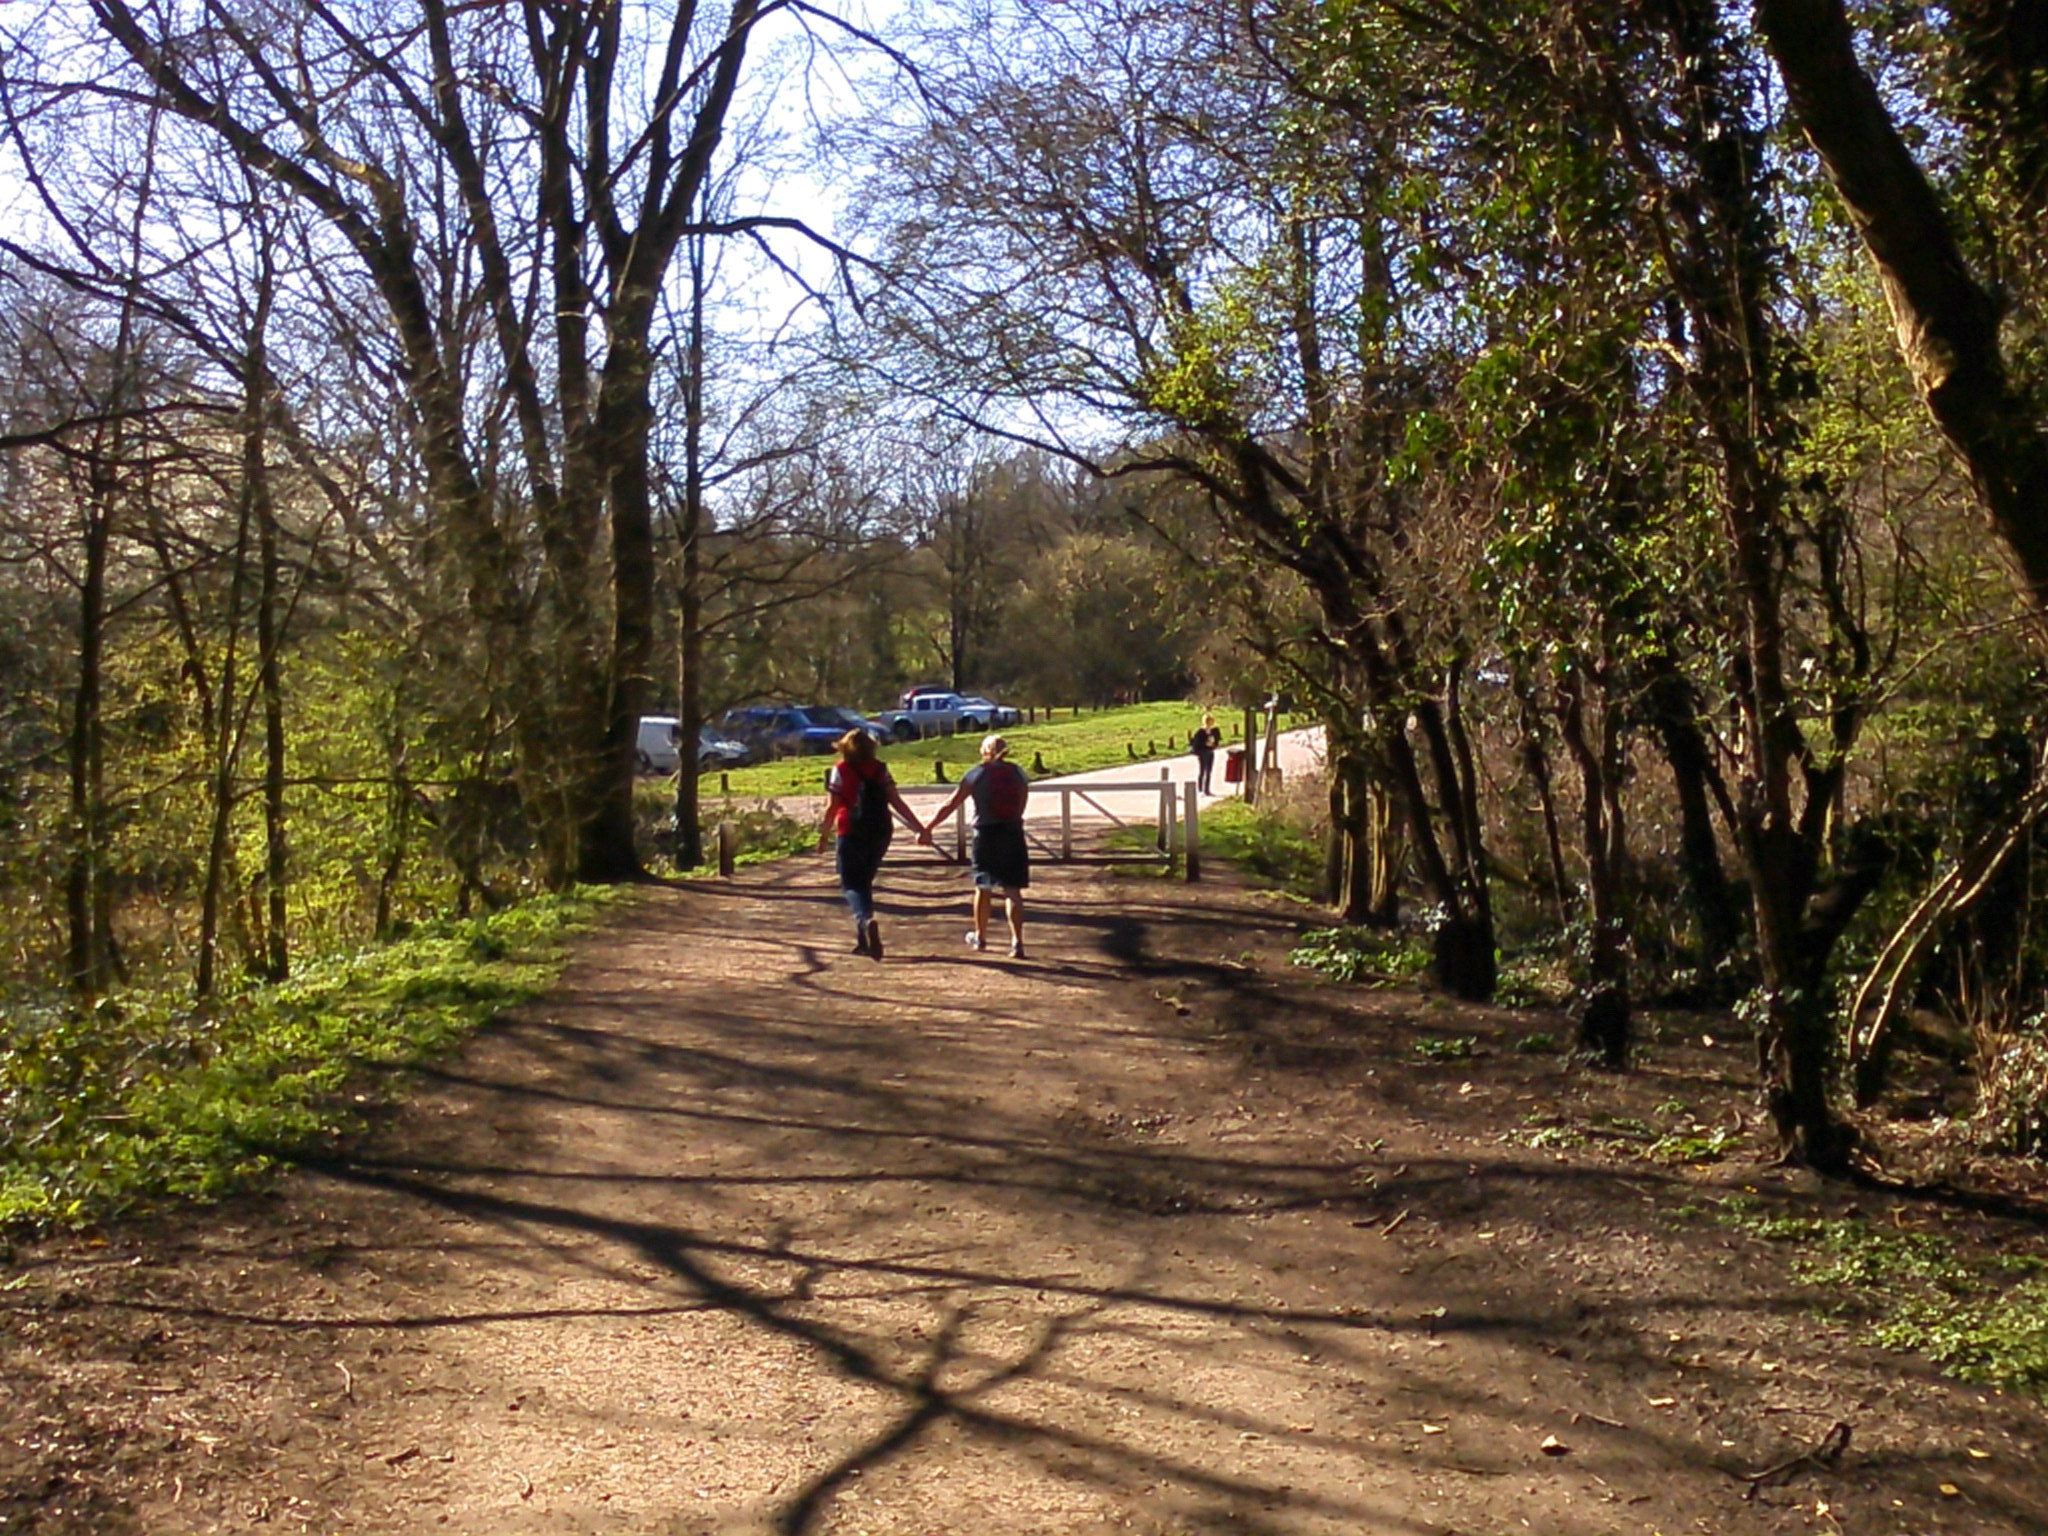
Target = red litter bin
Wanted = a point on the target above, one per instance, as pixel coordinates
(1233, 766)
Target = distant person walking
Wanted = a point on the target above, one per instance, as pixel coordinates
(1002, 860)
(1204, 743)
(860, 799)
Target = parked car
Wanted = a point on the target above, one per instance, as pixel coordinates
(939, 714)
(792, 730)
(659, 747)
(988, 713)
(715, 751)
(656, 748)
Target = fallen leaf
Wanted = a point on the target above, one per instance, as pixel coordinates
(1432, 1429)
(1977, 1455)
(1950, 1491)
(1662, 1402)
(1552, 1446)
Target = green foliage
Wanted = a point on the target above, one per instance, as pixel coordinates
(1539, 1044)
(1999, 1340)
(1533, 979)
(1361, 956)
(1698, 1145)
(1985, 1320)
(108, 1109)
(2012, 1111)
(1264, 841)
(766, 834)
(1446, 1048)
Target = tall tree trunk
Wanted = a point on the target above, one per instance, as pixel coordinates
(1603, 1011)
(607, 853)
(1334, 885)
(689, 839)
(397, 812)
(86, 948)
(1715, 902)
(1371, 889)
(276, 870)
(1946, 322)
(1536, 764)
(227, 744)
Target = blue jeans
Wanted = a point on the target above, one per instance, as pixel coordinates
(859, 861)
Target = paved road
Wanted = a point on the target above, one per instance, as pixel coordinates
(1301, 752)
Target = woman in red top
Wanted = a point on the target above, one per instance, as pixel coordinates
(860, 799)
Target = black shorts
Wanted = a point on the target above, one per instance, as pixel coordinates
(1001, 859)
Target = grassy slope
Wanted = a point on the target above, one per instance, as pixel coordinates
(1071, 744)
(108, 1112)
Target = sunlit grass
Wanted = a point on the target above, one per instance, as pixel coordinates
(1067, 744)
(109, 1109)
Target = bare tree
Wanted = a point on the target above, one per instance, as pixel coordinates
(528, 178)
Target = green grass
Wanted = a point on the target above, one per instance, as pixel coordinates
(146, 1098)
(1263, 842)
(1070, 744)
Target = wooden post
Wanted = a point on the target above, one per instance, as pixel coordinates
(1066, 825)
(938, 770)
(728, 847)
(725, 785)
(1251, 758)
(1038, 763)
(1191, 835)
(1165, 838)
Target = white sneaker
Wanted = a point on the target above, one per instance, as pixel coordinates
(974, 940)
(1016, 950)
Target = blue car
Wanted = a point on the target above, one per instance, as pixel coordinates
(791, 730)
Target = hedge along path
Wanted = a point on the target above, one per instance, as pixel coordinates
(737, 1232)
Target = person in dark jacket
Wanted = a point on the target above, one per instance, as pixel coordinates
(861, 800)
(1203, 744)
(1002, 859)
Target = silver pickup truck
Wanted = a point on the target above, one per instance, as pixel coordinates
(943, 714)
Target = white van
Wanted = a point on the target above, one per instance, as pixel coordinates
(657, 745)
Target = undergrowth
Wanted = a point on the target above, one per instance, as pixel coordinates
(147, 1097)
(1983, 1319)
(1361, 956)
(1270, 845)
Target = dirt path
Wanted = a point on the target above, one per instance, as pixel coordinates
(740, 1233)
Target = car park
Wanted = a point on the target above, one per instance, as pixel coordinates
(792, 730)
(658, 747)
